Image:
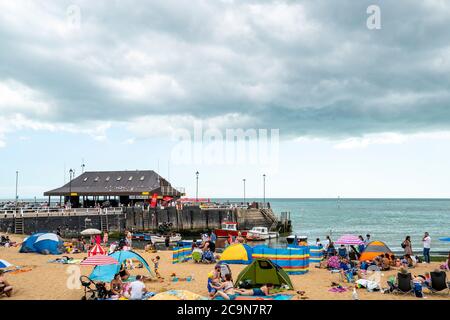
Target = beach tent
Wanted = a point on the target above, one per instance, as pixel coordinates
(106, 273)
(4, 264)
(373, 250)
(97, 249)
(293, 260)
(263, 271)
(44, 243)
(237, 253)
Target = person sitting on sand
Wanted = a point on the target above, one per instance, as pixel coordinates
(446, 265)
(226, 289)
(5, 287)
(342, 251)
(137, 289)
(385, 262)
(263, 291)
(124, 274)
(116, 285)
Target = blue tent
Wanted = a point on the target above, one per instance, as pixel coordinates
(44, 243)
(106, 273)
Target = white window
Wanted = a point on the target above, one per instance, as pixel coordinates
(107, 178)
(119, 178)
(142, 178)
(96, 179)
(85, 179)
(130, 178)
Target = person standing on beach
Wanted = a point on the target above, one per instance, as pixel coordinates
(105, 238)
(367, 239)
(426, 247)
(407, 246)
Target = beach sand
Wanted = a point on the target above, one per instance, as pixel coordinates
(49, 281)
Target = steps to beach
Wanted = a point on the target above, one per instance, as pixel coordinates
(18, 225)
(104, 222)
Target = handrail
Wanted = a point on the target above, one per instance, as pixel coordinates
(59, 212)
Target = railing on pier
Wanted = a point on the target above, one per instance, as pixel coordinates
(47, 212)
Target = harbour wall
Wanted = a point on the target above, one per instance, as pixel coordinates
(189, 219)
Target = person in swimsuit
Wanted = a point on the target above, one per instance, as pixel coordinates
(226, 289)
(124, 274)
(263, 291)
(156, 266)
(116, 285)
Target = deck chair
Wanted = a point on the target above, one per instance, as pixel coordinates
(439, 282)
(404, 283)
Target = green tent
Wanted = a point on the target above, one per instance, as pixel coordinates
(263, 271)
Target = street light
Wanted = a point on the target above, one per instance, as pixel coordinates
(196, 188)
(244, 189)
(264, 189)
(71, 172)
(17, 182)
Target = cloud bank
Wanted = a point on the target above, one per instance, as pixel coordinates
(310, 68)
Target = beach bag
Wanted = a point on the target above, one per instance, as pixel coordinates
(403, 245)
(418, 290)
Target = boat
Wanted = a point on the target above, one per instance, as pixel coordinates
(291, 239)
(261, 234)
(161, 238)
(155, 238)
(229, 229)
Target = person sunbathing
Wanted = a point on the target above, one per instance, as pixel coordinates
(5, 287)
(263, 291)
(385, 262)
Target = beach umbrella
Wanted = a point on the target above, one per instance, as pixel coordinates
(96, 250)
(4, 264)
(445, 239)
(349, 239)
(99, 260)
(90, 232)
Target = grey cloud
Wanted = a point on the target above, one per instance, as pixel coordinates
(328, 76)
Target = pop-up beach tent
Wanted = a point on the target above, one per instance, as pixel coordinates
(263, 271)
(44, 243)
(373, 250)
(106, 273)
(237, 253)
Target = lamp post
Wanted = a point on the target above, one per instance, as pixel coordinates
(17, 183)
(196, 187)
(264, 189)
(244, 190)
(82, 167)
(71, 171)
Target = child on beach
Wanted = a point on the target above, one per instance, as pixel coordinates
(156, 266)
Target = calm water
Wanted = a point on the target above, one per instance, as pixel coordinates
(384, 219)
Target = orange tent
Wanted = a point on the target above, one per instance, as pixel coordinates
(374, 249)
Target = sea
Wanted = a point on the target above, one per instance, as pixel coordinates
(388, 220)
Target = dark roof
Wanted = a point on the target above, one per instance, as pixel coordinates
(103, 183)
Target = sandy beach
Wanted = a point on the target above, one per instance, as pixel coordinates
(48, 281)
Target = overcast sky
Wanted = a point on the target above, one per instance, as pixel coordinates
(360, 112)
